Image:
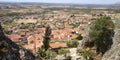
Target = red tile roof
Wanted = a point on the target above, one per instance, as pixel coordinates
(14, 37)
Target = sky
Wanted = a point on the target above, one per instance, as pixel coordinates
(67, 1)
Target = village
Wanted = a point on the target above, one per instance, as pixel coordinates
(28, 28)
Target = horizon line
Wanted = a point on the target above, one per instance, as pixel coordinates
(57, 3)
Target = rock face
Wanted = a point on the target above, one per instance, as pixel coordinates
(114, 52)
(11, 51)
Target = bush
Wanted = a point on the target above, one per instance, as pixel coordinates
(79, 37)
(88, 55)
(49, 54)
(73, 43)
(63, 51)
(41, 52)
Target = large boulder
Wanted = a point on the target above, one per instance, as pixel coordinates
(11, 51)
(114, 52)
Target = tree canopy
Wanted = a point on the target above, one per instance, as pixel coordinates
(101, 32)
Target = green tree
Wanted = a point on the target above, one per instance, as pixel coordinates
(101, 32)
(46, 39)
(44, 52)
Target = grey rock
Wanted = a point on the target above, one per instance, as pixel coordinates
(13, 50)
(114, 52)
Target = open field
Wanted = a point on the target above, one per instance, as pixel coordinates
(26, 21)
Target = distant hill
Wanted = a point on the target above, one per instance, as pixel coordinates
(116, 5)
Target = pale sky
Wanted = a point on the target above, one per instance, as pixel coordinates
(67, 1)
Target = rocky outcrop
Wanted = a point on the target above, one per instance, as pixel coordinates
(114, 52)
(111, 54)
(11, 51)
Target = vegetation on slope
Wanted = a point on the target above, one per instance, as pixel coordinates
(101, 33)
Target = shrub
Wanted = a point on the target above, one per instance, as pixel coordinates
(63, 51)
(73, 43)
(88, 55)
(79, 37)
(41, 52)
(49, 54)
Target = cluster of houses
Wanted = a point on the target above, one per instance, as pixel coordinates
(61, 23)
(33, 40)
